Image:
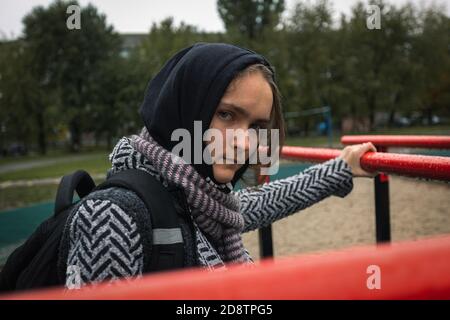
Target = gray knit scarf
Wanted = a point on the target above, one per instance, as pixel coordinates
(216, 213)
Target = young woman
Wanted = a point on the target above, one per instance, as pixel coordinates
(108, 234)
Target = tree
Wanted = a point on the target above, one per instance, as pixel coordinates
(431, 55)
(308, 35)
(250, 17)
(67, 61)
(23, 104)
(372, 56)
(163, 41)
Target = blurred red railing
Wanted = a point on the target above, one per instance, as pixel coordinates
(409, 270)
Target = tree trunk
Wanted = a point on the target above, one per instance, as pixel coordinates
(42, 138)
(430, 114)
(306, 128)
(97, 137)
(391, 118)
(371, 103)
(392, 113)
(75, 135)
(109, 137)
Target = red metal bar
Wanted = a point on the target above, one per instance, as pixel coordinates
(430, 167)
(436, 142)
(408, 270)
(309, 154)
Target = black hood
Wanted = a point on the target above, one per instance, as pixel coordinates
(189, 88)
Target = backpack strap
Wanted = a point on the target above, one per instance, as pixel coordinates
(80, 181)
(167, 245)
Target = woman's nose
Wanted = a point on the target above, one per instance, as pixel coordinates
(242, 142)
(242, 139)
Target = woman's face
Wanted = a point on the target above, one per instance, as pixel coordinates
(247, 103)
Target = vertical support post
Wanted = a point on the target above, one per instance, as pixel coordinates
(265, 233)
(382, 214)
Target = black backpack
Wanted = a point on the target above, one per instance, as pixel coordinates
(34, 264)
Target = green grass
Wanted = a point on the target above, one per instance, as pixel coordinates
(95, 164)
(23, 196)
(51, 154)
(18, 197)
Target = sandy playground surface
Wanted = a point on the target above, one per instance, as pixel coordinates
(418, 209)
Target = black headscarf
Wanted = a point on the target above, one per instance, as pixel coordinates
(188, 88)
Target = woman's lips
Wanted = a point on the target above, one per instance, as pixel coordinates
(230, 162)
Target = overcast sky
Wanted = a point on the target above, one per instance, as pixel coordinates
(137, 16)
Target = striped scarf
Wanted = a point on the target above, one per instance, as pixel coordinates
(216, 213)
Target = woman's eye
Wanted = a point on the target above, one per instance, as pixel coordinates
(225, 115)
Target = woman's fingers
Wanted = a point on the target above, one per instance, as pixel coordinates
(352, 155)
(368, 146)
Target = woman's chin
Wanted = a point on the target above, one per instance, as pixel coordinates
(224, 173)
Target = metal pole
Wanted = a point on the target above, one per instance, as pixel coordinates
(418, 166)
(382, 214)
(265, 235)
(265, 242)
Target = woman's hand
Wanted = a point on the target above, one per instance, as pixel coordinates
(352, 155)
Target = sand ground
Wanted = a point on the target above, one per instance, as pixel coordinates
(418, 209)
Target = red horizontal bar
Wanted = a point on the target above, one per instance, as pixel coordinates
(436, 142)
(407, 270)
(309, 154)
(430, 167)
